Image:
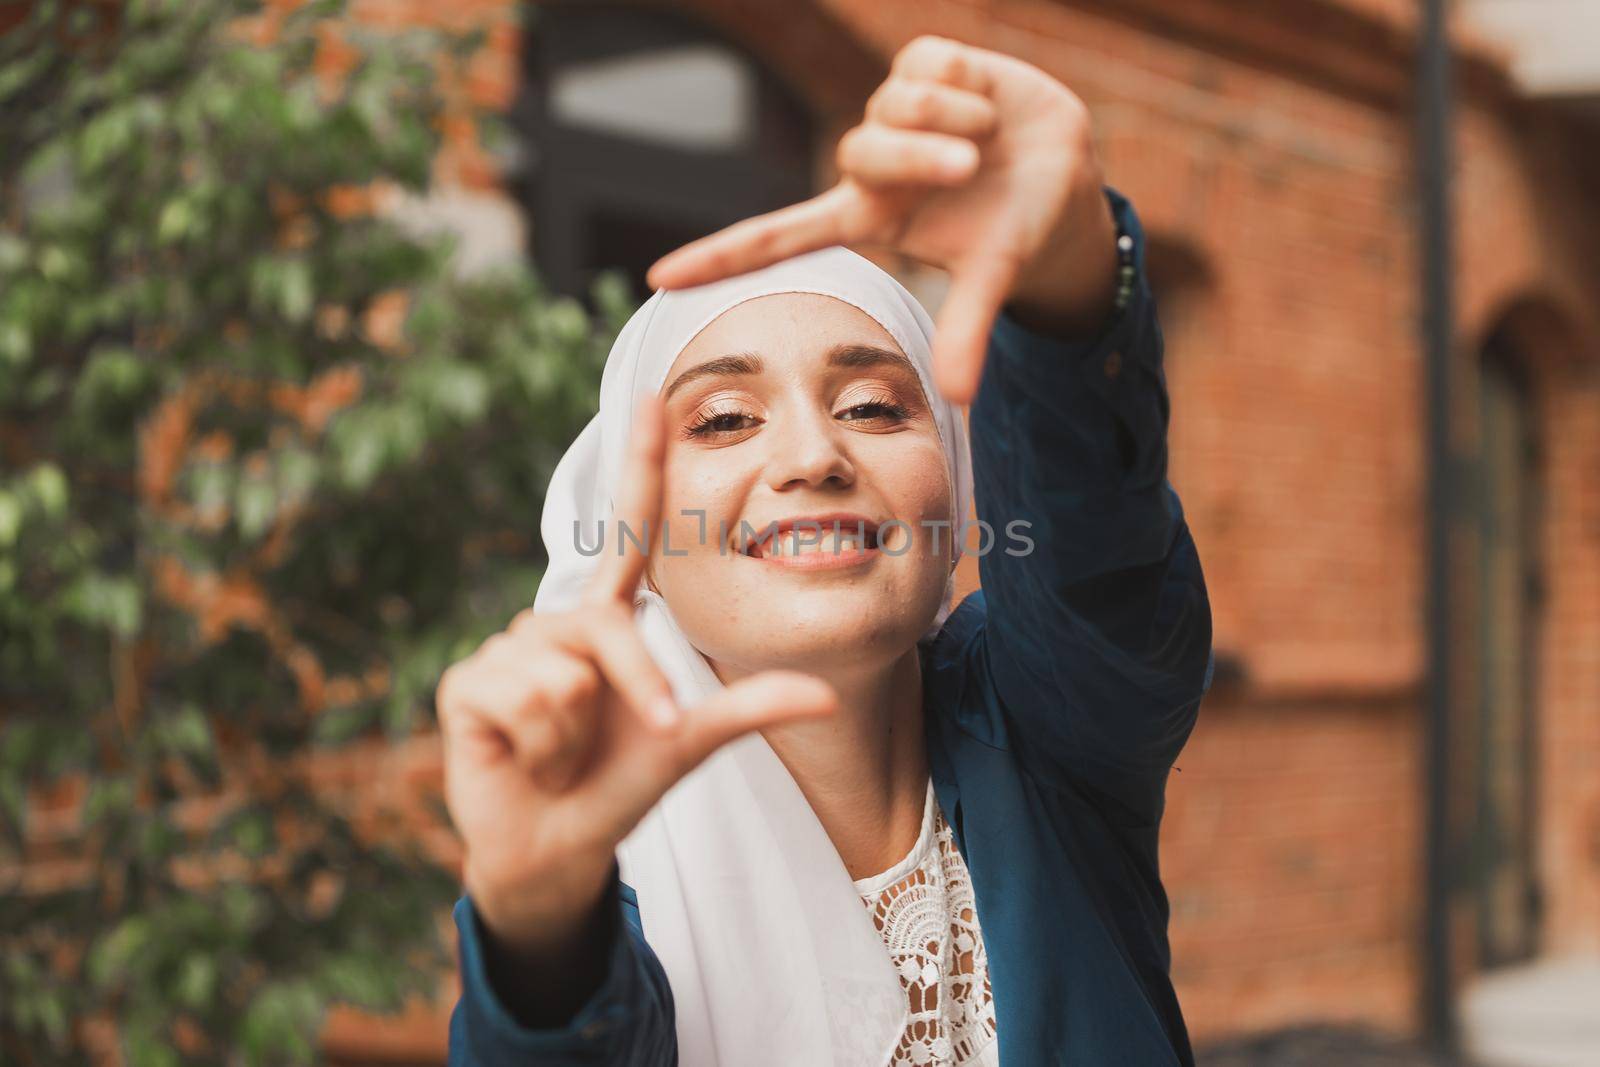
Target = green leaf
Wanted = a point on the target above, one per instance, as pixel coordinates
(336, 726)
(297, 474)
(112, 957)
(49, 487)
(196, 984)
(460, 390)
(50, 1009)
(279, 1024)
(177, 219)
(255, 507)
(112, 601)
(210, 485)
(295, 292)
(253, 833)
(16, 346)
(360, 449)
(107, 797)
(13, 798)
(10, 518)
(362, 980)
(184, 731)
(107, 135)
(113, 374)
(151, 1050)
(13, 252)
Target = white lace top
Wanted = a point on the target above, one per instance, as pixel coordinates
(923, 907)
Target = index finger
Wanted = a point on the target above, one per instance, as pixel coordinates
(755, 243)
(636, 516)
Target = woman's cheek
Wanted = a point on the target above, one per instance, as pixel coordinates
(920, 494)
(699, 511)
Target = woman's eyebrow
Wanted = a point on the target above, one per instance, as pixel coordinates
(854, 355)
(863, 355)
(740, 363)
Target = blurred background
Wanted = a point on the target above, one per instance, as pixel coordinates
(299, 304)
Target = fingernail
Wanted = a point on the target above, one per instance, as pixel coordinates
(664, 712)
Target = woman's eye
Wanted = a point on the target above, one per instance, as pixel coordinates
(714, 423)
(721, 422)
(874, 409)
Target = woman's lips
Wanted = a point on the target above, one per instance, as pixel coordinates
(807, 544)
(825, 559)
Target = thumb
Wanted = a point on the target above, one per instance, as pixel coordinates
(764, 699)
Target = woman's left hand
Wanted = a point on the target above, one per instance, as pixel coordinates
(968, 160)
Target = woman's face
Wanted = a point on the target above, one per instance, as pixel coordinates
(789, 407)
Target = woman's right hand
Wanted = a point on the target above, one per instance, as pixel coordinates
(560, 733)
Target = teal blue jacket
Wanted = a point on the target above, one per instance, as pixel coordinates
(1057, 698)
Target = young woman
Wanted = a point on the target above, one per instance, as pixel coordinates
(741, 788)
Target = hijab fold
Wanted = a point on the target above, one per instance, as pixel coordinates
(771, 955)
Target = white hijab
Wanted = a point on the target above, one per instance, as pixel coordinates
(770, 952)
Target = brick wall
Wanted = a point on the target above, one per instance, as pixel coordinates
(1271, 161)
(1270, 157)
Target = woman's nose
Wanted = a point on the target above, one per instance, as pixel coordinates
(808, 450)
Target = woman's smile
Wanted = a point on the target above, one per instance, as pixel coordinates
(800, 551)
(835, 541)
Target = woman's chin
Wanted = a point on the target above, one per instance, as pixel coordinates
(818, 634)
(762, 620)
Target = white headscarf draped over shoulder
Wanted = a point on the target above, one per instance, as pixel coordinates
(770, 952)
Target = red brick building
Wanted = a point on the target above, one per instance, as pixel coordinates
(1269, 149)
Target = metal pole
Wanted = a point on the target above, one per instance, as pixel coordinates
(1434, 159)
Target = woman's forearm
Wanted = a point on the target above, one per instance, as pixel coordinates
(1069, 289)
(1106, 609)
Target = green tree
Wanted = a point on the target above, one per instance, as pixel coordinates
(240, 523)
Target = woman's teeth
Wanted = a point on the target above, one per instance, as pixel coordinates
(802, 543)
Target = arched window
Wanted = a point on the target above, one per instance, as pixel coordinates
(1506, 523)
(646, 130)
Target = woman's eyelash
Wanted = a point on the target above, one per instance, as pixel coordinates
(708, 423)
(715, 422)
(880, 408)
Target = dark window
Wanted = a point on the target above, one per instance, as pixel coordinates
(646, 130)
(1507, 523)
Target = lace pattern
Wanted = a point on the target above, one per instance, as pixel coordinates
(924, 909)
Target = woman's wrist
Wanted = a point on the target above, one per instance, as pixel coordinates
(539, 917)
(544, 960)
(1069, 290)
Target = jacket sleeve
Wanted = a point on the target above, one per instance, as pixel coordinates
(628, 1019)
(1098, 627)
